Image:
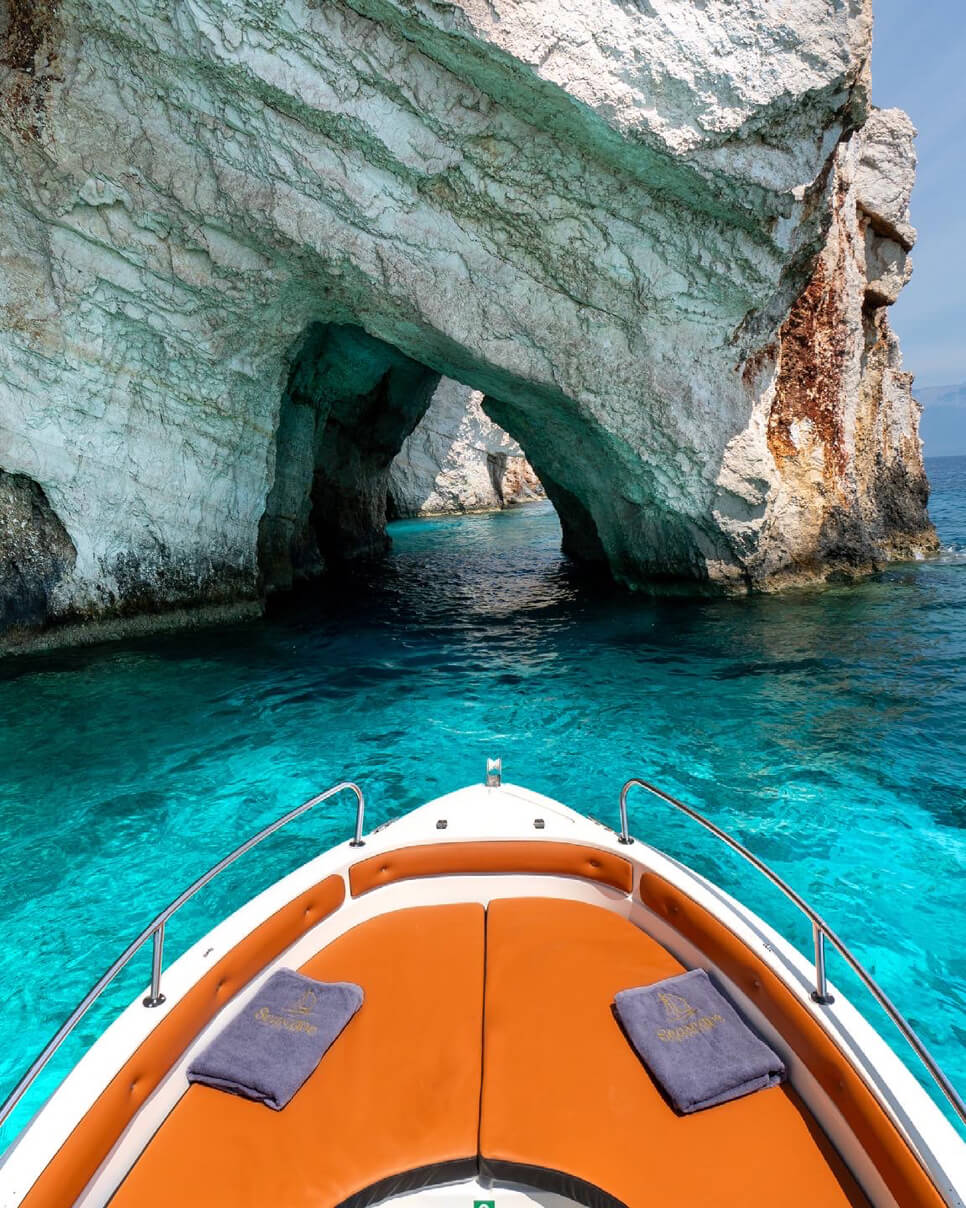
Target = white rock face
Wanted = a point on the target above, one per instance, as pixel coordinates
(885, 172)
(607, 217)
(457, 459)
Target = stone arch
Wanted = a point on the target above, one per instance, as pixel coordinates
(349, 401)
(664, 282)
(457, 459)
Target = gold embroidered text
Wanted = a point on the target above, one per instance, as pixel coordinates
(686, 1031)
(263, 1015)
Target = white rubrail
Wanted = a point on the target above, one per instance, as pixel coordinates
(493, 811)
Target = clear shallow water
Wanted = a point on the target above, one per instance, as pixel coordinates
(826, 729)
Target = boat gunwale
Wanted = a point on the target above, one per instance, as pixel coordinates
(821, 931)
(155, 931)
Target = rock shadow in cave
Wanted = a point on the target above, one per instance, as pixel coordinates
(349, 403)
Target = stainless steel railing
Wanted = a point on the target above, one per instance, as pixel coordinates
(821, 932)
(155, 930)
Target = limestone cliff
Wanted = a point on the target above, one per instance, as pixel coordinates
(457, 459)
(838, 416)
(241, 244)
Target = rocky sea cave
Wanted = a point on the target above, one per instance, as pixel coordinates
(349, 405)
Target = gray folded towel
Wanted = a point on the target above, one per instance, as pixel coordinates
(694, 1042)
(277, 1040)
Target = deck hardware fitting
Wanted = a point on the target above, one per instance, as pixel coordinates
(156, 998)
(820, 994)
(624, 837)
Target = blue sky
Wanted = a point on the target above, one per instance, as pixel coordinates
(919, 64)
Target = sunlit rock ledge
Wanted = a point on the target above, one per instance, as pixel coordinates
(240, 245)
(457, 459)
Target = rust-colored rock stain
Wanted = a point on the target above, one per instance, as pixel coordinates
(25, 47)
(814, 348)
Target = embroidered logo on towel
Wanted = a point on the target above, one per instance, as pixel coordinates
(676, 1007)
(292, 1018)
(305, 1005)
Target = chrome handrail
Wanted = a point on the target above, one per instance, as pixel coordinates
(156, 929)
(820, 932)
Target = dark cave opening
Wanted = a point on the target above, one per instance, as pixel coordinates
(349, 403)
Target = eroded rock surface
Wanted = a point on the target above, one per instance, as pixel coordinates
(842, 425)
(36, 554)
(458, 460)
(650, 234)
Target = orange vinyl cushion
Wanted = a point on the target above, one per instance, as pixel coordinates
(890, 1155)
(71, 1168)
(398, 1091)
(492, 856)
(564, 1092)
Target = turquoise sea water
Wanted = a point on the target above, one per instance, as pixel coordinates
(826, 729)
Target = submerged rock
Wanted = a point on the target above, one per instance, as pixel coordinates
(458, 460)
(241, 244)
